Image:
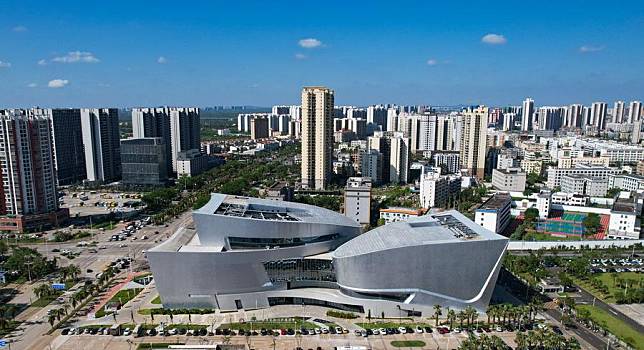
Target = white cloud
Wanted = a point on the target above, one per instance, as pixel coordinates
(4, 64)
(432, 62)
(19, 29)
(42, 62)
(32, 85)
(162, 60)
(57, 83)
(310, 43)
(494, 39)
(77, 57)
(300, 56)
(590, 48)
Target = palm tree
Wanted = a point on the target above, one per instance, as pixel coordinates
(73, 271)
(43, 290)
(451, 317)
(521, 341)
(51, 319)
(471, 314)
(437, 312)
(490, 313)
(462, 315)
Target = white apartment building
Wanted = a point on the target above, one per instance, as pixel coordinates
(357, 199)
(435, 188)
(102, 144)
(544, 203)
(494, 214)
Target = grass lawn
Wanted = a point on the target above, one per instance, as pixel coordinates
(144, 346)
(607, 279)
(156, 300)
(269, 325)
(123, 296)
(378, 324)
(615, 326)
(408, 343)
(46, 300)
(537, 236)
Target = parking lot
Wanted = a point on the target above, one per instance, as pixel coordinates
(82, 203)
(432, 340)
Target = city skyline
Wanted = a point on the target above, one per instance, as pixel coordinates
(117, 54)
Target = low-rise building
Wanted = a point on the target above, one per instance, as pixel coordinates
(530, 166)
(280, 191)
(555, 175)
(572, 199)
(569, 162)
(626, 182)
(395, 214)
(510, 180)
(624, 220)
(357, 199)
(191, 163)
(494, 214)
(584, 185)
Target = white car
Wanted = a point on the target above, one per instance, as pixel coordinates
(402, 330)
(173, 331)
(499, 329)
(383, 331)
(375, 331)
(419, 329)
(318, 331)
(339, 330)
(127, 332)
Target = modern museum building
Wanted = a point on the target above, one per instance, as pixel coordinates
(250, 253)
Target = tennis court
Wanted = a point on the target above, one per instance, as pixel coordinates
(573, 217)
(561, 227)
(570, 224)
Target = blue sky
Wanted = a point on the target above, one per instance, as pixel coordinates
(130, 53)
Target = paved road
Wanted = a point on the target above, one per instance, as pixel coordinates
(595, 340)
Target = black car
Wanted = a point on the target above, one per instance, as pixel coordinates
(290, 331)
(557, 330)
(428, 330)
(217, 331)
(182, 331)
(263, 331)
(65, 331)
(304, 331)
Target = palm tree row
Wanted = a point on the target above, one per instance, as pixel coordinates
(545, 339)
(87, 291)
(507, 314)
(483, 342)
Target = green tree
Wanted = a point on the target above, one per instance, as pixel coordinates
(591, 224)
(531, 214)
